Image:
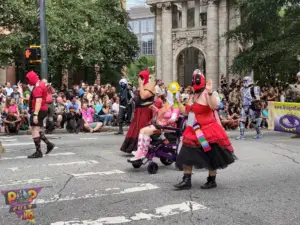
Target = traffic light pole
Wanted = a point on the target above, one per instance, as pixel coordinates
(43, 40)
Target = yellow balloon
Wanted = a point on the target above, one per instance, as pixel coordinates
(174, 87)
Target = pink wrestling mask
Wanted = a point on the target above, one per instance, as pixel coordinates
(158, 103)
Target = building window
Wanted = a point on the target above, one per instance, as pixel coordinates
(203, 17)
(147, 45)
(151, 25)
(144, 26)
(136, 26)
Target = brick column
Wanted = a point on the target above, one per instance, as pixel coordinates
(167, 51)
(212, 68)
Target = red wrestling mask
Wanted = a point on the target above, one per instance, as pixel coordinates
(32, 78)
(198, 81)
(158, 103)
(145, 75)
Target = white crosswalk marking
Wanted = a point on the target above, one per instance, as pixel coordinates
(26, 157)
(57, 198)
(48, 179)
(55, 164)
(164, 211)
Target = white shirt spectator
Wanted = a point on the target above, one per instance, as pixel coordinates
(159, 91)
(8, 91)
(115, 107)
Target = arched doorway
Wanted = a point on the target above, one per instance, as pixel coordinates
(188, 60)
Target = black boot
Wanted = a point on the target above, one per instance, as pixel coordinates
(120, 132)
(50, 146)
(35, 155)
(38, 153)
(211, 183)
(186, 183)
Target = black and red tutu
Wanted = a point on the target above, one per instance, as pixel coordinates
(142, 116)
(221, 154)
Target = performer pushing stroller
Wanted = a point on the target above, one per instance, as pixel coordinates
(165, 115)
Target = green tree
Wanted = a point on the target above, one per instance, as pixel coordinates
(270, 35)
(80, 33)
(143, 63)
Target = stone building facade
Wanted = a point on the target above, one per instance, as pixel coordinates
(190, 35)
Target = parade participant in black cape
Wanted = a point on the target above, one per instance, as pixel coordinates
(126, 97)
(205, 143)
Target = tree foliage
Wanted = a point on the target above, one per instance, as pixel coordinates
(143, 63)
(270, 35)
(80, 33)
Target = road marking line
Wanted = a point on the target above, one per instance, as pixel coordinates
(9, 140)
(48, 179)
(142, 187)
(56, 198)
(81, 175)
(18, 150)
(164, 211)
(25, 157)
(55, 164)
(88, 138)
(31, 181)
(17, 144)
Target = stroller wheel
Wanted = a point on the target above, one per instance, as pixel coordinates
(152, 168)
(136, 166)
(166, 161)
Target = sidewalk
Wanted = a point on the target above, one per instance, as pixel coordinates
(64, 131)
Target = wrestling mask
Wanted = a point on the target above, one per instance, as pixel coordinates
(158, 103)
(198, 81)
(145, 75)
(32, 78)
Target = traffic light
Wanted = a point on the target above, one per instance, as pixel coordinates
(33, 54)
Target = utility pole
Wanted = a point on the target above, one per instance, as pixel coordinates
(43, 39)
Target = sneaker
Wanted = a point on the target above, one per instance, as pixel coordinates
(135, 159)
(258, 136)
(241, 137)
(50, 147)
(36, 155)
(133, 153)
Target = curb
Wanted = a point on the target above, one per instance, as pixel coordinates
(64, 131)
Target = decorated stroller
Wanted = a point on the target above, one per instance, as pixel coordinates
(164, 146)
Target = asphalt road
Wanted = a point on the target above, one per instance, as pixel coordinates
(87, 181)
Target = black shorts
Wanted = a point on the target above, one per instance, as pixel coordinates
(41, 116)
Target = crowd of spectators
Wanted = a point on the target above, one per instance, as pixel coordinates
(83, 108)
(89, 108)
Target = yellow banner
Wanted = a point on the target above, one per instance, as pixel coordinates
(284, 117)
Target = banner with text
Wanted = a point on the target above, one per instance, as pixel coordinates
(284, 117)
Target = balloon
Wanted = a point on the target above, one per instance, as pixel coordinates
(174, 87)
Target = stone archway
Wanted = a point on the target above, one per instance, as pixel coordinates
(187, 60)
